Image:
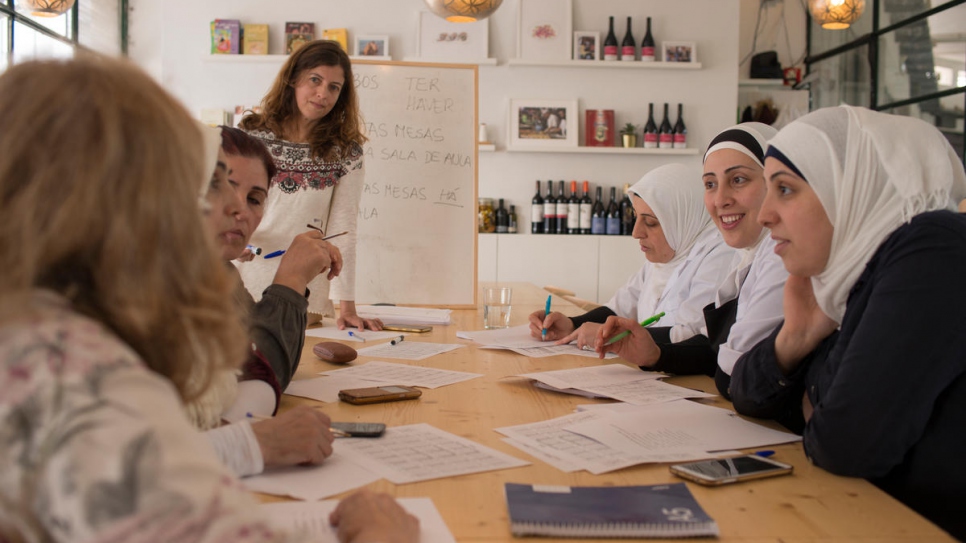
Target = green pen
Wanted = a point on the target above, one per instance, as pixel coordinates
(625, 333)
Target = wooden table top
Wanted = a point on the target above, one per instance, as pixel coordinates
(809, 505)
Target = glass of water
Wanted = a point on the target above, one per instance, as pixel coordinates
(496, 307)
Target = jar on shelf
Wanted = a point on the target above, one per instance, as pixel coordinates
(486, 222)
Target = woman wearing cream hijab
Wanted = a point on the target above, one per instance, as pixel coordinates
(870, 362)
(686, 259)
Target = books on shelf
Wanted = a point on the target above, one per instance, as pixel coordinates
(255, 39)
(337, 34)
(660, 511)
(297, 35)
(225, 37)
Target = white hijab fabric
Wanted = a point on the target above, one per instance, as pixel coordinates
(872, 172)
(211, 139)
(675, 194)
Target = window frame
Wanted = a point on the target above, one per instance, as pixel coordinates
(14, 17)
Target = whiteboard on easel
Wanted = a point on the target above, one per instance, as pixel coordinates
(416, 242)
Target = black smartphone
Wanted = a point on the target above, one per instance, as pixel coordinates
(360, 429)
(730, 470)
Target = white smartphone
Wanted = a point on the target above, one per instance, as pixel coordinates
(730, 470)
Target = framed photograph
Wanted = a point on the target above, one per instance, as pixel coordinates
(439, 39)
(544, 29)
(679, 51)
(543, 123)
(372, 46)
(586, 45)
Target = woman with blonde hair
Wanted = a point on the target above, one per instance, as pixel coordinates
(311, 124)
(114, 310)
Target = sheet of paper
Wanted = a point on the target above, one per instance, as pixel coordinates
(677, 425)
(403, 374)
(359, 336)
(573, 391)
(409, 350)
(310, 521)
(326, 389)
(405, 315)
(420, 452)
(542, 454)
(604, 374)
(333, 476)
(508, 338)
(556, 350)
(645, 391)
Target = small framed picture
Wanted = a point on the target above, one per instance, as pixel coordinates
(586, 45)
(679, 51)
(544, 29)
(372, 46)
(439, 39)
(543, 123)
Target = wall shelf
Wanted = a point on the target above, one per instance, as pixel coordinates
(604, 150)
(477, 61)
(486, 147)
(761, 83)
(636, 65)
(246, 59)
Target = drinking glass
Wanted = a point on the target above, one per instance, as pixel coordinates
(496, 307)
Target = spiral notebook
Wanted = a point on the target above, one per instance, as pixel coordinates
(663, 511)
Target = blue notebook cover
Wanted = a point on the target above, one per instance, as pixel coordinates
(607, 511)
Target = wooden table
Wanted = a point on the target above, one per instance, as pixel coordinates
(809, 505)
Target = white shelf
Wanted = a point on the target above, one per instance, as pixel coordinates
(247, 59)
(486, 147)
(604, 150)
(477, 61)
(636, 65)
(761, 83)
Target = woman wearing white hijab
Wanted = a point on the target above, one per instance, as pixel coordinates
(686, 259)
(870, 362)
(748, 304)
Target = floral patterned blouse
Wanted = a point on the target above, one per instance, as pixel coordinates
(96, 447)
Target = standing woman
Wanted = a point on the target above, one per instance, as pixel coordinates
(748, 304)
(870, 362)
(311, 125)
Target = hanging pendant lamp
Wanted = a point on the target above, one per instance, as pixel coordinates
(47, 8)
(463, 11)
(836, 14)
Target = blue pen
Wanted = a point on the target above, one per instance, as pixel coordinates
(276, 253)
(546, 313)
(356, 336)
(764, 454)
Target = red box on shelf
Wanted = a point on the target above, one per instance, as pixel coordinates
(599, 128)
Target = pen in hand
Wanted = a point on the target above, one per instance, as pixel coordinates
(546, 315)
(625, 333)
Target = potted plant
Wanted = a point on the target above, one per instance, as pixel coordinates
(629, 136)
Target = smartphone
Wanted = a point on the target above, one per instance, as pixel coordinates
(730, 470)
(414, 328)
(391, 393)
(360, 429)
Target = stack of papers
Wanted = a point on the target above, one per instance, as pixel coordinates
(390, 314)
(600, 441)
(615, 381)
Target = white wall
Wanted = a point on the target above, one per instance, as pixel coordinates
(782, 29)
(171, 40)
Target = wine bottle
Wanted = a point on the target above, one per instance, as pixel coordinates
(680, 131)
(629, 46)
(647, 45)
(665, 137)
(586, 210)
(550, 211)
(563, 211)
(598, 223)
(628, 216)
(501, 218)
(610, 43)
(512, 222)
(573, 210)
(536, 212)
(650, 129)
(613, 224)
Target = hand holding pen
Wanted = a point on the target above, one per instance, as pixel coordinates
(634, 343)
(307, 257)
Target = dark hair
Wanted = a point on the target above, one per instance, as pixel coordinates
(336, 135)
(238, 143)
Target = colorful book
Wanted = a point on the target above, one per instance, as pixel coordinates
(225, 37)
(337, 34)
(255, 39)
(297, 35)
(660, 511)
(599, 128)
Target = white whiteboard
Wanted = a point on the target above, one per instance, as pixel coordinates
(417, 218)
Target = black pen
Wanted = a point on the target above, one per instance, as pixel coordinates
(397, 340)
